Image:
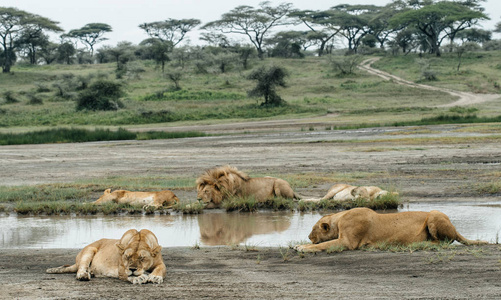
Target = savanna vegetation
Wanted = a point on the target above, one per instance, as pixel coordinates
(56, 92)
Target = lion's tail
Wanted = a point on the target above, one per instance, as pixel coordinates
(63, 269)
(466, 241)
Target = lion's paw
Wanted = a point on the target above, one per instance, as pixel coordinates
(305, 248)
(138, 279)
(83, 275)
(155, 279)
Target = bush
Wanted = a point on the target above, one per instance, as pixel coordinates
(9, 97)
(101, 95)
(34, 99)
(492, 45)
(268, 78)
(345, 65)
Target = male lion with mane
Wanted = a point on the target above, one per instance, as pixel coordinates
(220, 183)
(127, 259)
(359, 227)
(155, 199)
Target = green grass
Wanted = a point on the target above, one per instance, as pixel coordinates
(76, 135)
(385, 202)
(189, 208)
(418, 246)
(48, 193)
(314, 89)
(169, 95)
(477, 74)
(66, 208)
(492, 188)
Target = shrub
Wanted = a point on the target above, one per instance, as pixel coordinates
(268, 78)
(345, 65)
(9, 97)
(34, 99)
(101, 95)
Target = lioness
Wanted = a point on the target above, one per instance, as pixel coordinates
(156, 199)
(359, 227)
(344, 192)
(127, 259)
(223, 182)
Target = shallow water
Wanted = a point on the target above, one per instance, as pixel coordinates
(263, 229)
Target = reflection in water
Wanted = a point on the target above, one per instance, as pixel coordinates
(216, 228)
(233, 229)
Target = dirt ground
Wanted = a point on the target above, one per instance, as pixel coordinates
(421, 170)
(224, 273)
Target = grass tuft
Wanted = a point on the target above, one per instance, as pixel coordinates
(75, 135)
(189, 208)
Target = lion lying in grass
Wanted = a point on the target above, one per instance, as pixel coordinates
(359, 227)
(156, 199)
(221, 183)
(343, 192)
(127, 259)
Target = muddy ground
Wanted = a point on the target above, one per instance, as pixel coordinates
(421, 163)
(223, 273)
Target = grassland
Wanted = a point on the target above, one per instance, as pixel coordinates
(314, 89)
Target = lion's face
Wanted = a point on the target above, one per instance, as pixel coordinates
(360, 192)
(322, 231)
(139, 252)
(210, 195)
(108, 196)
(136, 262)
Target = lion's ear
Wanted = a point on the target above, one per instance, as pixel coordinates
(155, 251)
(325, 226)
(107, 191)
(120, 246)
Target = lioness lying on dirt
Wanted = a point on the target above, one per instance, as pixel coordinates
(343, 192)
(127, 259)
(156, 199)
(359, 227)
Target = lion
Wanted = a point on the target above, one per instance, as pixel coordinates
(340, 192)
(127, 259)
(155, 199)
(362, 226)
(220, 183)
(345, 192)
(231, 229)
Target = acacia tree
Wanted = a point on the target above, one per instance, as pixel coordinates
(158, 51)
(353, 22)
(14, 24)
(320, 30)
(379, 22)
(255, 23)
(498, 27)
(90, 34)
(171, 30)
(438, 21)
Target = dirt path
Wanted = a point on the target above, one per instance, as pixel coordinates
(225, 273)
(464, 98)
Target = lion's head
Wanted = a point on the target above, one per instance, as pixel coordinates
(360, 192)
(108, 196)
(139, 252)
(324, 230)
(217, 184)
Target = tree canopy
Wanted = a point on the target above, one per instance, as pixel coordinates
(17, 24)
(170, 30)
(438, 21)
(255, 23)
(90, 34)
